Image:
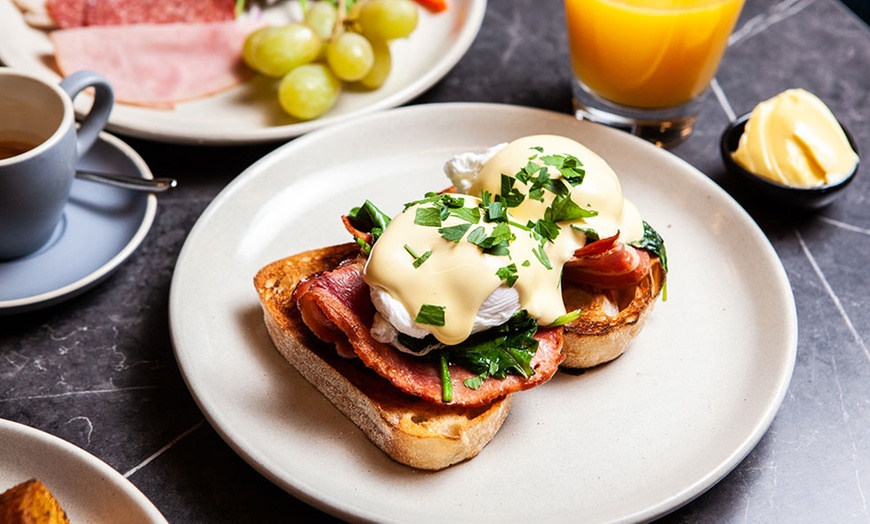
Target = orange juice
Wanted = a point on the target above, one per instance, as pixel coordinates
(648, 53)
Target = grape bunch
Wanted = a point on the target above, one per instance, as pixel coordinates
(336, 43)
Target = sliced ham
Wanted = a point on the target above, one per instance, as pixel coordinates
(157, 65)
(76, 13)
(607, 264)
(335, 305)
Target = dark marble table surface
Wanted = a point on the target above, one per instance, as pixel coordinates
(99, 369)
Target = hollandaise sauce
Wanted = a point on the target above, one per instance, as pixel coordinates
(530, 207)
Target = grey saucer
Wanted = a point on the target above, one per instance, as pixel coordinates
(101, 227)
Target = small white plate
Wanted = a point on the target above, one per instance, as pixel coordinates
(631, 440)
(88, 489)
(100, 228)
(250, 113)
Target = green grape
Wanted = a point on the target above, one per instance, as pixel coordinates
(387, 19)
(321, 17)
(308, 91)
(350, 56)
(382, 66)
(275, 50)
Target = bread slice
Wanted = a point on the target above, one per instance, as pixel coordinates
(610, 320)
(30, 503)
(411, 431)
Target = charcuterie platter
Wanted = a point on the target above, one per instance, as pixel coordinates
(249, 112)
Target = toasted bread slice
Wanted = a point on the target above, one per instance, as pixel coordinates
(411, 431)
(609, 320)
(30, 503)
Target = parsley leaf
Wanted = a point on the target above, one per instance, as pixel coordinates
(496, 243)
(591, 234)
(454, 233)
(542, 257)
(544, 230)
(564, 319)
(511, 196)
(428, 216)
(468, 214)
(446, 383)
(418, 259)
(569, 166)
(438, 200)
(431, 315)
(563, 209)
(508, 274)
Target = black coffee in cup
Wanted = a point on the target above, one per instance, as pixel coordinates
(12, 147)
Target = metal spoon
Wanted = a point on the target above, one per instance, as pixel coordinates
(129, 181)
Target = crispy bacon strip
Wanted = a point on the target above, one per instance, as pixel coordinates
(362, 235)
(607, 264)
(336, 306)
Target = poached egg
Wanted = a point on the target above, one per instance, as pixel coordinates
(468, 288)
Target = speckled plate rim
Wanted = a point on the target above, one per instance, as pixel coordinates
(229, 117)
(629, 441)
(88, 489)
(80, 283)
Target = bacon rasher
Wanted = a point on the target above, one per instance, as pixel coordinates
(336, 306)
(607, 264)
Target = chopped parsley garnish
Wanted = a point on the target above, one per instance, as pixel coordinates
(511, 195)
(454, 233)
(564, 319)
(497, 352)
(569, 166)
(496, 242)
(591, 234)
(418, 259)
(563, 209)
(428, 217)
(446, 383)
(468, 214)
(439, 200)
(431, 315)
(508, 274)
(542, 257)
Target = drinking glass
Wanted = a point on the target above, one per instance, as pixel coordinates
(644, 65)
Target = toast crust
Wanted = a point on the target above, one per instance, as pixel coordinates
(609, 320)
(411, 431)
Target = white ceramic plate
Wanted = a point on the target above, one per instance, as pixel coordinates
(88, 489)
(250, 113)
(100, 228)
(631, 440)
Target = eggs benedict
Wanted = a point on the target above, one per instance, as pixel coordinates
(467, 296)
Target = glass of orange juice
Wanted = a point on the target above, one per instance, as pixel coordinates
(643, 65)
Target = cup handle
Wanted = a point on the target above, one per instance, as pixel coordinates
(96, 118)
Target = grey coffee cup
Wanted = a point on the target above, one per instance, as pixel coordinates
(39, 149)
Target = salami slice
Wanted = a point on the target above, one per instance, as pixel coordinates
(67, 13)
(77, 13)
(124, 12)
